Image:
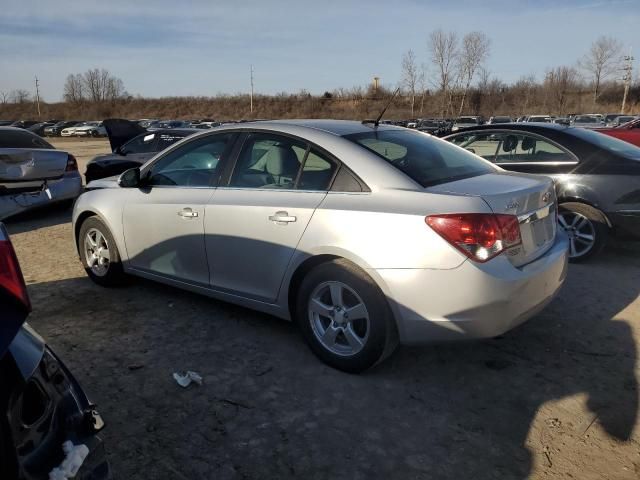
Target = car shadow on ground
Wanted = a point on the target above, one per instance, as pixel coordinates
(39, 218)
(269, 409)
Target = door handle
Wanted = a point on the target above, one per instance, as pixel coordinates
(282, 218)
(187, 213)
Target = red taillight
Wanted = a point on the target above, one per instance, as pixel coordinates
(10, 274)
(72, 164)
(480, 236)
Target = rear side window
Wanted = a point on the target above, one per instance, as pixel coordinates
(427, 160)
(22, 139)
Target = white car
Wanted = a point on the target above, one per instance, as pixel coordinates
(71, 131)
(91, 129)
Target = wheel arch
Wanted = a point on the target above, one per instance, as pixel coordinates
(306, 265)
(577, 199)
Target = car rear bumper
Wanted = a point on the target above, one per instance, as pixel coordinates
(68, 187)
(473, 300)
(38, 382)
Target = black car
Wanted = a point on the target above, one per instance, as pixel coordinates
(131, 146)
(433, 127)
(54, 130)
(39, 128)
(23, 123)
(42, 405)
(597, 177)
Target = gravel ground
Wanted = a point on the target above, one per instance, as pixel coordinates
(555, 398)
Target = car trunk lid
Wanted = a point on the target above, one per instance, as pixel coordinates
(531, 198)
(121, 131)
(20, 165)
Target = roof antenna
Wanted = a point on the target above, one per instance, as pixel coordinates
(376, 122)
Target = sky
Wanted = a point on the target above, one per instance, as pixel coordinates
(206, 47)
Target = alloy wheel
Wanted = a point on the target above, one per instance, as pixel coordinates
(96, 251)
(580, 230)
(339, 318)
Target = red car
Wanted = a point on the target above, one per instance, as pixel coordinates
(629, 132)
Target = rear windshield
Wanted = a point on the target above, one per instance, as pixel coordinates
(21, 139)
(467, 120)
(607, 142)
(427, 160)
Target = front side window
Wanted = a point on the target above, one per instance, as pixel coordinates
(427, 160)
(194, 164)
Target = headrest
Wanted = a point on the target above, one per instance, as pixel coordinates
(510, 143)
(528, 143)
(282, 161)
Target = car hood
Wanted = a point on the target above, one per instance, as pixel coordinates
(121, 131)
(108, 182)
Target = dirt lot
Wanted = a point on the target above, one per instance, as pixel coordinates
(556, 398)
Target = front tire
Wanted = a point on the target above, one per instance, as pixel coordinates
(586, 227)
(344, 317)
(99, 254)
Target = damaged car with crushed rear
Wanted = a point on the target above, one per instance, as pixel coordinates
(366, 235)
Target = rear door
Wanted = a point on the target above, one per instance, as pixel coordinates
(163, 221)
(254, 223)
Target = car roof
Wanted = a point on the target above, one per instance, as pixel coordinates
(335, 127)
(528, 126)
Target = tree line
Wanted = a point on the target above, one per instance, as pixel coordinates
(455, 63)
(452, 80)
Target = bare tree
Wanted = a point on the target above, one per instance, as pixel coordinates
(410, 76)
(74, 91)
(524, 90)
(473, 53)
(602, 61)
(558, 83)
(4, 97)
(20, 96)
(443, 47)
(100, 86)
(422, 86)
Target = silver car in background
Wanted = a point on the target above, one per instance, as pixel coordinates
(33, 173)
(365, 235)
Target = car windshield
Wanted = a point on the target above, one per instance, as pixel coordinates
(22, 139)
(466, 120)
(608, 143)
(427, 160)
(501, 120)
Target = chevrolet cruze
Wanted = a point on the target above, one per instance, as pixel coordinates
(365, 235)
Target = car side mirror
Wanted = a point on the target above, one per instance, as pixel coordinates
(130, 178)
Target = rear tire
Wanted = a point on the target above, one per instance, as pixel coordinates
(344, 317)
(99, 254)
(586, 227)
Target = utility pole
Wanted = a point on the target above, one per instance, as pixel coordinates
(251, 97)
(38, 96)
(628, 70)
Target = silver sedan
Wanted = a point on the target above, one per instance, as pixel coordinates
(367, 236)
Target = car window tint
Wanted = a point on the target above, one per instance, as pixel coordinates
(484, 145)
(22, 139)
(144, 143)
(522, 148)
(317, 172)
(268, 161)
(194, 164)
(425, 159)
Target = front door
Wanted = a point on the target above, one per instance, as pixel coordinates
(164, 220)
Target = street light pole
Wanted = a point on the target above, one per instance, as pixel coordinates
(251, 97)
